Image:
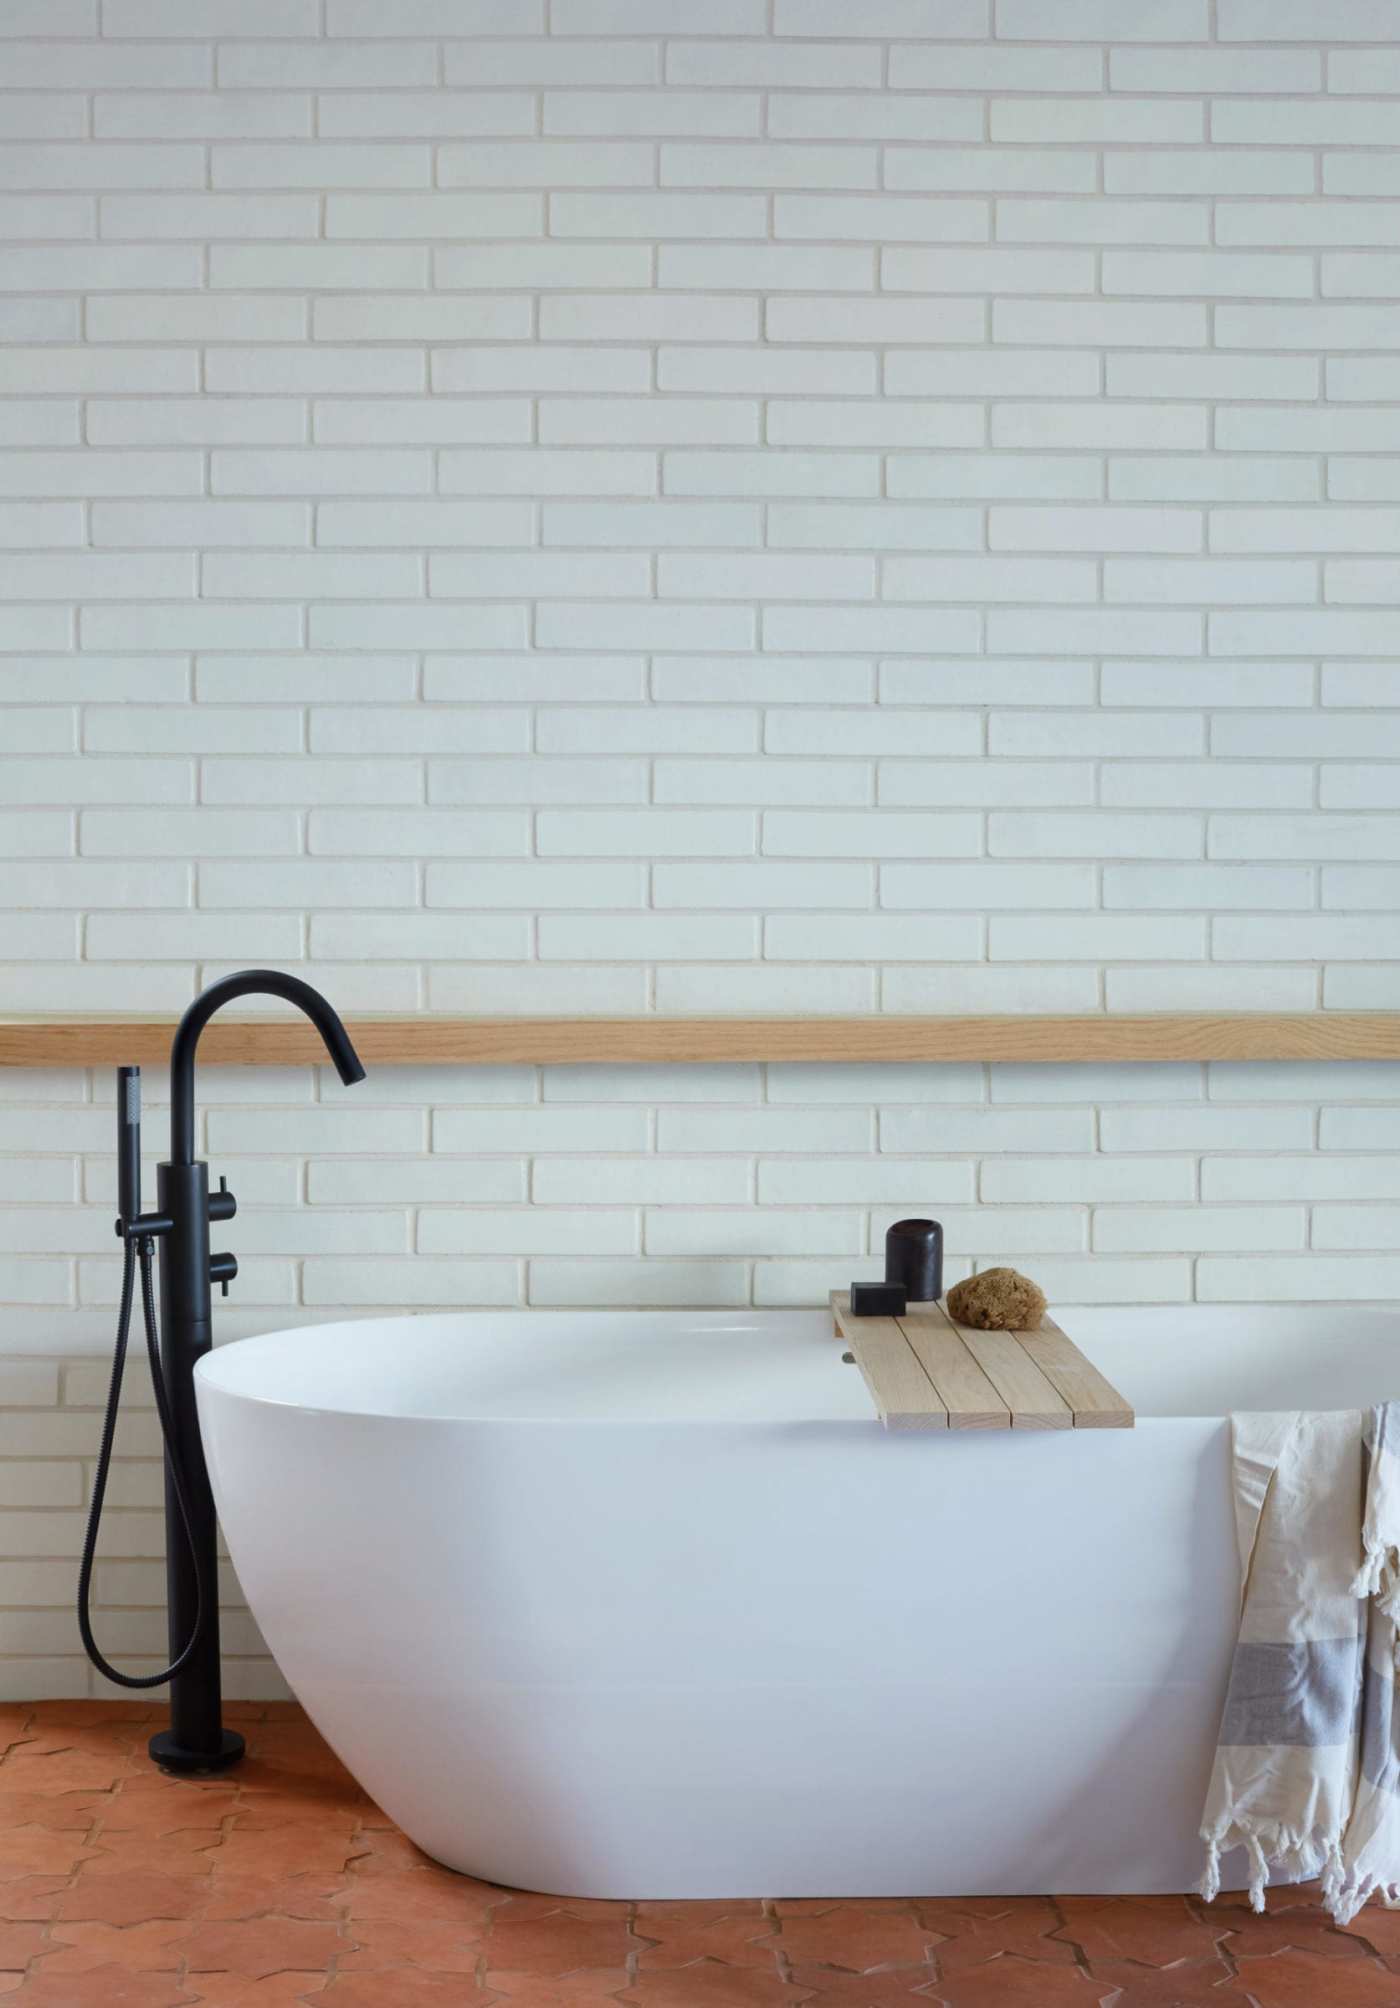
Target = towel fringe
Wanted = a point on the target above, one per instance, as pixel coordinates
(1274, 1849)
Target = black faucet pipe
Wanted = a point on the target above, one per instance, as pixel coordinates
(196, 1739)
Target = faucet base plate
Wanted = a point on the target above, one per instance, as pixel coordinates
(174, 1756)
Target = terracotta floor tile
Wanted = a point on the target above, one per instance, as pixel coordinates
(380, 1943)
(858, 1938)
(1377, 1928)
(190, 1851)
(242, 1893)
(984, 1938)
(745, 1940)
(1299, 1930)
(19, 1943)
(1150, 1929)
(155, 1804)
(557, 1944)
(1024, 1917)
(514, 1906)
(709, 1986)
(262, 1945)
(297, 1849)
(236, 1990)
(67, 1770)
(899, 1987)
(132, 1896)
(696, 1909)
(1303, 1980)
(30, 1899)
(1192, 1983)
(144, 1948)
(281, 1884)
(415, 1893)
(64, 1812)
(574, 1990)
(92, 1714)
(1010, 1982)
(406, 1988)
(29, 1851)
(101, 1987)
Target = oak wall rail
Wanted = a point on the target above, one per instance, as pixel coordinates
(432, 1040)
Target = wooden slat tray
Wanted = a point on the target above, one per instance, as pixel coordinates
(926, 1371)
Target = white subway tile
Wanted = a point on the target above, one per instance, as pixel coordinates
(1323, 1279)
(536, 472)
(761, 884)
(876, 834)
(1176, 374)
(877, 937)
(646, 937)
(1314, 837)
(638, 1283)
(1099, 427)
(529, 1231)
(769, 63)
(1300, 1178)
(657, 1181)
(422, 1282)
(1163, 988)
(385, 728)
(1084, 1180)
(990, 578)
(984, 886)
(1203, 1129)
(848, 630)
(721, 1231)
(1013, 833)
(1092, 631)
(1094, 938)
(882, 729)
(1196, 1229)
(1365, 886)
(1209, 171)
(646, 833)
(983, 784)
(1097, 121)
(427, 833)
(536, 990)
(1196, 887)
(686, 1081)
(966, 988)
(408, 937)
(1325, 632)
(709, 989)
(1204, 784)
(763, 782)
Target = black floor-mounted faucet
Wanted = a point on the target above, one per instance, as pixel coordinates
(196, 1739)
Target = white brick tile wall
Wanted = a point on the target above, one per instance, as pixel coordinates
(639, 505)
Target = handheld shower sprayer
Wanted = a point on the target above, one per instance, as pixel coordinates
(196, 1739)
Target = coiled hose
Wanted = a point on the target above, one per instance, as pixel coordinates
(138, 1254)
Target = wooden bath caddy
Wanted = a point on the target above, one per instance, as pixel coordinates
(926, 1371)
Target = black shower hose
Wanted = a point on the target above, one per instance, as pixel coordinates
(138, 1252)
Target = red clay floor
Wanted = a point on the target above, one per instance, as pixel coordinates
(281, 1883)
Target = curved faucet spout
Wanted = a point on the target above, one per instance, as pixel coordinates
(268, 982)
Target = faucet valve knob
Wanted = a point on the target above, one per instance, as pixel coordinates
(222, 1270)
(222, 1204)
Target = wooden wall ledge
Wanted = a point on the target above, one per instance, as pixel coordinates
(426, 1041)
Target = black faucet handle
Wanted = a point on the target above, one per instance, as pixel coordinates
(222, 1270)
(222, 1204)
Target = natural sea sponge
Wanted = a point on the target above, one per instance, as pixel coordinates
(999, 1300)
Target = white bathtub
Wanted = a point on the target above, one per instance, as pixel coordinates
(647, 1604)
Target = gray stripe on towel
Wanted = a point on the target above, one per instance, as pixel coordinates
(1304, 1693)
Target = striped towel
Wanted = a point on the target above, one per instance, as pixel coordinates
(1307, 1769)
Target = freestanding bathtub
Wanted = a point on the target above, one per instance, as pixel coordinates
(648, 1604)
